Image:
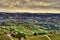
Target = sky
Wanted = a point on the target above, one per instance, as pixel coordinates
(49, 6)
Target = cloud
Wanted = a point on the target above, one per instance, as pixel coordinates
(30, 4)
(23, 3)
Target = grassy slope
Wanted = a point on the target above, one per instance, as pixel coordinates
(55, 37)
(2, 37)
(36, 38)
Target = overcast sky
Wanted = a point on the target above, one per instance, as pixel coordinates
(30, 5)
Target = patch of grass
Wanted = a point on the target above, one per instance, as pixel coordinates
(41, 37)
(36, 38)
(55, 37)
(2, 37)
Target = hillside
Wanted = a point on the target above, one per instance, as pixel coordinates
(41, 37)
(52, 37)
(55, 37)
(35, 26)
(47, 20)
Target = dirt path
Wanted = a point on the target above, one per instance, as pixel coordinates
(48, 37)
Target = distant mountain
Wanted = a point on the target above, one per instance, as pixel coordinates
(29, 14)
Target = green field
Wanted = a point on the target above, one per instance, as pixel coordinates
(26, 29)
(36, 38)
(55, 37)
(52, 37)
